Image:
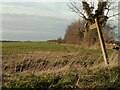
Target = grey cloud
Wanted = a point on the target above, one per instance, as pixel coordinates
(34, 28)
(28, 23)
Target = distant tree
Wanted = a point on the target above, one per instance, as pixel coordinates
(75, 32)
(59, 40)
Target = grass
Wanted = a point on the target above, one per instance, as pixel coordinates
(24, 47)
(52, 66)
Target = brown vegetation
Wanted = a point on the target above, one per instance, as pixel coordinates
(76, 34)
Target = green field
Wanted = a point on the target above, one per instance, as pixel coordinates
(52, 66)
(25, 47)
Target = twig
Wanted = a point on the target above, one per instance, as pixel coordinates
(114, 15)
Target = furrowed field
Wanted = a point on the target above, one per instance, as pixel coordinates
(52, 66)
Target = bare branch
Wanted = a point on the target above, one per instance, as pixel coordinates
(114, 15)
(108, 7)
(75, 9)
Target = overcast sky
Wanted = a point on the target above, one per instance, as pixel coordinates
(39, 21)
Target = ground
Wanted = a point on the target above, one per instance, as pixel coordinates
(35, 64)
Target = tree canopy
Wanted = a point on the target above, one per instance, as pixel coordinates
(89, 12)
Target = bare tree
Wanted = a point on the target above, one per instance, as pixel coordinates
(74, 32)
(90, 11)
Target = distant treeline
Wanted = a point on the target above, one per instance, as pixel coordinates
(9, 41)
(17, 41)
(59, 40)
